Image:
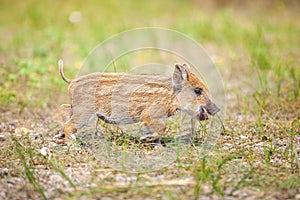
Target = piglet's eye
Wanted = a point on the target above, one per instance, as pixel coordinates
(198, 91)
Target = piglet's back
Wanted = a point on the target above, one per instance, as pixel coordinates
(123, 96)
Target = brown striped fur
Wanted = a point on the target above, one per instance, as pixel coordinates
(120, 98)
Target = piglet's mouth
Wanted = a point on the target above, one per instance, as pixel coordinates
(203, 115)
(205, 111)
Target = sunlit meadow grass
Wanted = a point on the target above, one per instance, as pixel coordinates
(256, 51)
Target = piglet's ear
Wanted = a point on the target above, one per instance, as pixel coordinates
(181, 72)
(186, 67)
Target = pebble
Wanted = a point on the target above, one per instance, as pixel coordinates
(243, 137)
(239, 193)
(44, 151)
(21, 131)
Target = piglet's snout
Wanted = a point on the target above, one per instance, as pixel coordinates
(212, 108)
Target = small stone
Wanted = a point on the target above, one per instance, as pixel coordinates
(243, 137)
(21, 131)
(44, 151)
(73, 137)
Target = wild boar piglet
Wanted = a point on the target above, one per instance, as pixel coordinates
(120, 98)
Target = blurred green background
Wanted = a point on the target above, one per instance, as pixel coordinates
(241, 35)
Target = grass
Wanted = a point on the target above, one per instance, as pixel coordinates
(31, 177)
(256, 51)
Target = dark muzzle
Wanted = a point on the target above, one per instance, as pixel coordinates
(212, 109)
